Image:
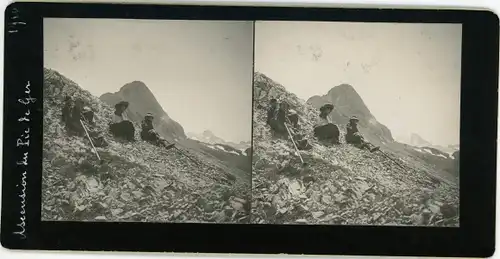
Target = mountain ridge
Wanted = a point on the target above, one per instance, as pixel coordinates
(141, 101)
(209, 137)
(342, 184)
(349, 103)
(134, 182)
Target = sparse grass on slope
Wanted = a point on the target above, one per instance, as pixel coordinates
(341, 184)
(137, 181)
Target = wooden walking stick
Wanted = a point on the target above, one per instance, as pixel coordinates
(90, 139)
(294, 145)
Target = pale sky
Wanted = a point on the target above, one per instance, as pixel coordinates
(199, 71)
(407, 74)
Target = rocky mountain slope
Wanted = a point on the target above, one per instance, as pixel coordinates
(348, 103)
(342, 184)
(142, 101)
(134, 181)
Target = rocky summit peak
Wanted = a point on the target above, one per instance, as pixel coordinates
(349, 103)
(142, 101)
(135, 86)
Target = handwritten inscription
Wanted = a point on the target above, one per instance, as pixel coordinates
(23, 142)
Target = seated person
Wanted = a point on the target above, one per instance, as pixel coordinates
(88, 120)
(88, 115)
(120, 127)
(72, 115)
(354, 137)
(288, 115)
(281, 116)
(324, 129)
(149, 134)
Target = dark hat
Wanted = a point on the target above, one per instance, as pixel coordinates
(121, 104)
(150, 115)
(326, 106)
(354, 118)
(273, 100)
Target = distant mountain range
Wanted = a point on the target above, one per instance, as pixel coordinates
(417, 141)
(209, 137)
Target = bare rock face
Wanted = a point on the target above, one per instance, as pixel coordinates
(141, 101)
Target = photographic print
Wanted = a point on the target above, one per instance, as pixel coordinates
(356, 123)
(147, 120)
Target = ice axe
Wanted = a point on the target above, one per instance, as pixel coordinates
(295, 145)
(90, 139)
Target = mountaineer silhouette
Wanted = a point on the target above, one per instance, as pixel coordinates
(149, 134)
(324, 129)
(355, 138)
(120, 126)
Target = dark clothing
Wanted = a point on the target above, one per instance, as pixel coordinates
(354, 137)
(146, 128)
(124, 129)
(66, 111)
(277, 120)
(97, 138)
(88, 117)
(271, 115)
(73, 123)
(150, 135)
(294, 120)
(329, 133)
(302, 143)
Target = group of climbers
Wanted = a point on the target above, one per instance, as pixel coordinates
(280, 114)
(79, 121)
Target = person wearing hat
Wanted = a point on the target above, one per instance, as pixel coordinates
(276, 116)
(88, 115)
(353, 136)
(88, 120)
(324, 129)
(73, 114)
(149, 134)
(120, 126)
(288, 115)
